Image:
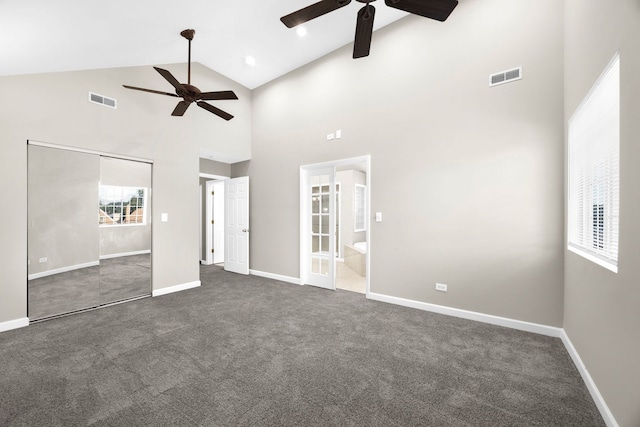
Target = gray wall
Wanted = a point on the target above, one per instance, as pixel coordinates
(602, 309)
(469, 178)
(141, 126)
(211, 167)
(63, 220)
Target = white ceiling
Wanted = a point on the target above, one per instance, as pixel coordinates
(38, 36)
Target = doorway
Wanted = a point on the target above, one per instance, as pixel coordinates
(212, 210)
(224, 225)
(334, 224)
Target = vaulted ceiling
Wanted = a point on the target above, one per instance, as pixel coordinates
(38, 36)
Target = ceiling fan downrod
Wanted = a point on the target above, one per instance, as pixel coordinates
(188, 34)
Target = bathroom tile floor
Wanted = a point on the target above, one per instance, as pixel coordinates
(348, 279)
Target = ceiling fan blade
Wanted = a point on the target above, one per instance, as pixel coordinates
(313, 11)
(223, 94)
(169, 77)
(364, 31)
(180, 108)
(151, 90)
(218, 112)
(434, 9)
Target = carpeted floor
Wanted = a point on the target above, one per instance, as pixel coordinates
(248, 351)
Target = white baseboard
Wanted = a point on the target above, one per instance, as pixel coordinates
(607, 416)
(175, 288)
(14, 324)
(205, 262)
(147, 251)
(62, 270)
(288, 279)
(470, 315)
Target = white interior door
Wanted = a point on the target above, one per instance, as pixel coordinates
(218, 222)
(236, 220)
(318, 219)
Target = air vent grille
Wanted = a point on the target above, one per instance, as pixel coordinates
(102, 100)
(505, 76)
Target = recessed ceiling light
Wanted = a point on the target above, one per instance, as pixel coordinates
(250, 60)
(301, 31)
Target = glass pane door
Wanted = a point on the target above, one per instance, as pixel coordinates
(322, 230)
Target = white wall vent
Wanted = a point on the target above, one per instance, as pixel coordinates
(505, 76)
(102, 100)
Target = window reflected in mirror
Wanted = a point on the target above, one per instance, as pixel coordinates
(122, 205)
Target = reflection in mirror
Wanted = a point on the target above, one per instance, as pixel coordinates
(89, 237)
(63, 251)
(125, 229)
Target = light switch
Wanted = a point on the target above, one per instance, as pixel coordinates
(378, 216)
(164, 217)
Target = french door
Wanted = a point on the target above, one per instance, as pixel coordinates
(318, 227)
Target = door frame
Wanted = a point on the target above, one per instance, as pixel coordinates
(305, 217)
(208, 260)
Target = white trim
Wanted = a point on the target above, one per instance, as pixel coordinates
(470, 315)
(86, 151)
(200, 231)
(137, 224)
(591, 385)
(226, 158)
(14, 324)
(146, 251)
(338, 163)
(212, 176)
(205, 262)
(175, 288)
(288, 279)
(62, 270)
(304, 213)
(208, 188)
(367, 209)
(595, 259)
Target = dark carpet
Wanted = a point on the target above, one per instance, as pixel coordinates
(248, 351)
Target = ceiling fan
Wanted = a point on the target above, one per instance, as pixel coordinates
(190, 93)
(434, 9)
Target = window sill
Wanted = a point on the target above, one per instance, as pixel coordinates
(601, 262)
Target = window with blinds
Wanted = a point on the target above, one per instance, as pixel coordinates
(360, 221)
(594, 171)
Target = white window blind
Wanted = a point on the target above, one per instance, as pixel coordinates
(594, 165)
(360, 222)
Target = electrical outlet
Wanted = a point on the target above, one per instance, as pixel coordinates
(441, 287)
(42, 260)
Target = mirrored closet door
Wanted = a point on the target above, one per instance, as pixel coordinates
(89, 235)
